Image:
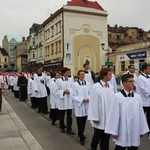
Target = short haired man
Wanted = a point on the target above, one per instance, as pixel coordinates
(143, 89)
(131, 70)
(53, 98)
(80, 92)
(89, 76)
(64, 102)
(40, 90)
(126, 120)
(100, 99)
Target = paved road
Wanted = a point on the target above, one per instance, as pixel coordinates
(50, 137)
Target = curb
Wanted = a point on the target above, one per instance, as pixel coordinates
(29, 139)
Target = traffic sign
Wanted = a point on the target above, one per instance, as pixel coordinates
(108, 63)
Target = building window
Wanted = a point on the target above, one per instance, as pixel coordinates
(52, 49)
(141, 63)
(122, 65)
(59, 24)
(5, 59)
(40, 53)
(131, 62)
(52, 31)
(48, 51)
(56, 28)
(56, 48)
(48, 33)
(59, 46)
(33, 54)
(109, 35)
(33, 41)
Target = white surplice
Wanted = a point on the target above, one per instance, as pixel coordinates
(31, 87)
(53, 94)
(40, 87)
(88, 78)
(78, 93)
(64, 100)
(143, 89)
(99, 104)
(127, 120)
(14, 82)
(113, 83)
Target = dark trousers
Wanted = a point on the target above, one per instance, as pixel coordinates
(100, 137)
(81, 121)
(33, 102)
(42, 104)
(23, 93)
(16, 94)
(147, 111)
(124, 148)
(54, 115)
(12, 88)
(69, 119)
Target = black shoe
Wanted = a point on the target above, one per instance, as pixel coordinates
(63, 130)
(53, 123)
(82, 142)
(70, 132)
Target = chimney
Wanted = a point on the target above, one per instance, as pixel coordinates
(85, 1)
(23, 39)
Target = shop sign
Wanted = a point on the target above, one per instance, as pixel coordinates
(137, 55)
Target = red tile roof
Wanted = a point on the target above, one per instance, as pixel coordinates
(85, 3)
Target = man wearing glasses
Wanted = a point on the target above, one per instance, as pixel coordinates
(126, 120)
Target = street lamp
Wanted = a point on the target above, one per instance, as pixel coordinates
(103, 48)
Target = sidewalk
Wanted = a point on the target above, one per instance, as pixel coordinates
(13, 133)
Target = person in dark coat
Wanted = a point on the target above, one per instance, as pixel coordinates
(22, 83)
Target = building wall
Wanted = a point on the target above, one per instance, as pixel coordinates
(133, 33)
(21, 48)
(136, 54)
(5, 44)
(84, 32)
(53, 38)
(3, 60)
(19, 65)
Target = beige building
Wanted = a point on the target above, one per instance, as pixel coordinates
(136, 54)
(20, 52)
(22, 62)
(3, 59)
(74, 35)
(35, 43)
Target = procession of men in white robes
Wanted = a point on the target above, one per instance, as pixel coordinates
(94, 101)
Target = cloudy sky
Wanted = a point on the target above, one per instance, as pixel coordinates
(17, 16)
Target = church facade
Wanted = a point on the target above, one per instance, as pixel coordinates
(74, 35)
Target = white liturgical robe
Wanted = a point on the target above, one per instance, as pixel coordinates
(126, 119)
(31, 87)
(64, 100)
(78, 93)
(40, 87)
(15, 80)
(53, 94)
(88, 78)
(143, 89)
(113, 82)
(99, 104)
